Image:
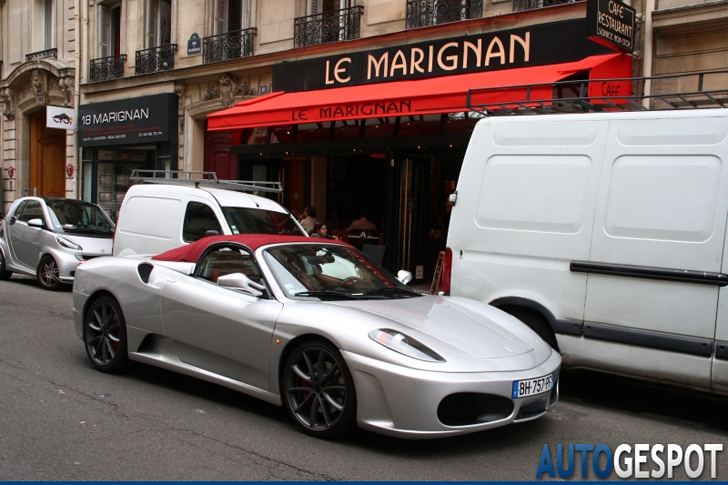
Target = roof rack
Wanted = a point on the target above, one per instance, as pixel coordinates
(678, 91)
(202, 179)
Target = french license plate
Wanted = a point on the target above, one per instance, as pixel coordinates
(530, 387)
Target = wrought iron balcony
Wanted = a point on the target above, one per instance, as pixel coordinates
(107, 68)
(46, 54)
(327, 27)
(422, 13)
(230, 45)
(521, 5)
(155, 59)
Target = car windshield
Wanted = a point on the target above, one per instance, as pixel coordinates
(332, 272)
(244, 220)
(78, 217)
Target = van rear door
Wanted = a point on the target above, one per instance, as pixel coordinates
(659, 232)
(720, 355)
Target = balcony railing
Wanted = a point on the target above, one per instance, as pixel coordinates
(230, 45)
(107, 68)
(422, 13)
(46, 54)
(521, 5)
(327, 27)
(155, 59)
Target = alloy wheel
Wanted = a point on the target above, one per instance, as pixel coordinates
(48, 273)
(319, 390)
(105, 335)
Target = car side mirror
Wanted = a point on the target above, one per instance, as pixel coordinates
(239, 281)
(404, 276)
(37, 222)
(212, 232)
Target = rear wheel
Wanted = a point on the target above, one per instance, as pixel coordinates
(318, 390)
(104, 333)
(47, 274)
(535, 322)
(4, 273)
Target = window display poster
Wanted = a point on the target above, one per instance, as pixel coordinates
(122, 180)
(106, 179)
(104, 196)
(119, 196)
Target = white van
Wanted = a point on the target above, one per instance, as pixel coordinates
(169, 213)
(604, 232)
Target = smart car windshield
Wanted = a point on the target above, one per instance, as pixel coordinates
(332, 272)
(244, 220)
(78, 217)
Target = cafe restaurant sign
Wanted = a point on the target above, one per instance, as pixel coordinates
(146, 119)
(611, 23)
(527, 46)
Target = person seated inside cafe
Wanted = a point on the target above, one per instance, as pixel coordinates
(362, 226)
(309, 219)
(320, 231)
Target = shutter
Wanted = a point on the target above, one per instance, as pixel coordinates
(314, 7)
(104, 30)
(220, 11)
(152, 20)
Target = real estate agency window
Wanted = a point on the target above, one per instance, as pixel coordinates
(159, 23)
(232, 15)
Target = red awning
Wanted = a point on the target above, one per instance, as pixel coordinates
(445, 94)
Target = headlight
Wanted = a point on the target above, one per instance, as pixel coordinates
(66, 243)
(399, 342)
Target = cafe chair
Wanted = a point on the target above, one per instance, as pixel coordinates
(374, 251)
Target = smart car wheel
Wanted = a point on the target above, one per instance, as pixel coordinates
(4, 273)
(104, 332)
(47, 274)
(318, 390)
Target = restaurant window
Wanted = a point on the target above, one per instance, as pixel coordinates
(159, 23)
(231, 15)
(109, 30)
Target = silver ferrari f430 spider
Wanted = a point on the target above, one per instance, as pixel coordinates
(317, 327)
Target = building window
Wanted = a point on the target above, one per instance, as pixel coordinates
(327, 21)
(48, 24)
(109, 30)
(159, 23)
(231, 15)
(423, 13)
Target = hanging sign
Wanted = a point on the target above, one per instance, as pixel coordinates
(611, 23)
(69, 170)
(61, 118)
(11, 171)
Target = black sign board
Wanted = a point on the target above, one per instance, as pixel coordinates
(147, 119)
(526, 46)
(193, 45)
(611, 23)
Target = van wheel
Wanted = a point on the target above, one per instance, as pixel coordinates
(535, 322)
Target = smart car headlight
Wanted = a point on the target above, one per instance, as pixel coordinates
(401, 343)
(67, 243)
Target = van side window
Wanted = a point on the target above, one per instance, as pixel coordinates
(199, 218)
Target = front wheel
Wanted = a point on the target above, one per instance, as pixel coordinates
(104, 333)
(4, 273)
(318, 390)
(47, 274)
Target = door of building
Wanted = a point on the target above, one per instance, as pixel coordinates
(47, 158)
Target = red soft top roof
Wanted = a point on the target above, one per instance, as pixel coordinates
(190, 253)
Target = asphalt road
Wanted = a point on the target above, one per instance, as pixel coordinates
(62, 420)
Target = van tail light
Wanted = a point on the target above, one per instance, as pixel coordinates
(446, 271)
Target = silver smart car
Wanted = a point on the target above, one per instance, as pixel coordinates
(46, 237)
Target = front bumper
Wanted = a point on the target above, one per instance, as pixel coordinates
(403, 402)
